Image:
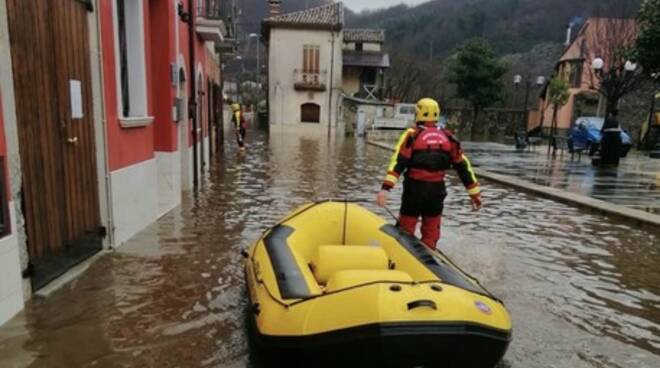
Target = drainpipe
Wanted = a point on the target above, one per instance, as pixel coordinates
(220, 136)
(192, 105)
(332, 87)
(104, 126)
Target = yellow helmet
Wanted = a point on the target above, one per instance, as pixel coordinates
(428, 109)
(235, 107)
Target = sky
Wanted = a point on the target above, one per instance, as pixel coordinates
(359, 5)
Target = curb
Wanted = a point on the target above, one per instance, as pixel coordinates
(638, 217)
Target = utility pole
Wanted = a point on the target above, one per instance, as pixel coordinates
(258, 64)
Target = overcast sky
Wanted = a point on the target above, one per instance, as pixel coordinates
(359, 5)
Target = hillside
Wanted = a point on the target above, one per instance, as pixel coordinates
(252, 12)
(527, 34)
(510, 25)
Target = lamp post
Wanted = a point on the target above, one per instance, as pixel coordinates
(517, 80)
(613, 81)
(258, 71)
(655, 77)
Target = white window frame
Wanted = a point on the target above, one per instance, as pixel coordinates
(137, 68)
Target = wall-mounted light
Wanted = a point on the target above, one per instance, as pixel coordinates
(183, 14)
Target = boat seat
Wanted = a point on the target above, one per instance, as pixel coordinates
(333, 258)
(346, 279)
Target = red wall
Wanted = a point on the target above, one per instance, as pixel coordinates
(200, 58)
(163, 54)
(130, 146)
(125, 146)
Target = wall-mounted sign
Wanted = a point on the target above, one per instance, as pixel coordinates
(75, 88)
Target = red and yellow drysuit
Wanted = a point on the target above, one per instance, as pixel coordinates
(239, 125)
(423, 155)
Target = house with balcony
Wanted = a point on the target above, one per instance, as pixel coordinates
(364, 63)
(305, 67)
(598, 38)
(314, 64)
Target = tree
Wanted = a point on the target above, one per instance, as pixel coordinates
(647, 46)
(558, 95)
(477, 73)
(615, 74)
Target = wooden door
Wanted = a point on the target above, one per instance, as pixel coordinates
(52, 81)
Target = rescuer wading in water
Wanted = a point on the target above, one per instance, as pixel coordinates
(423, 155)
(239, 125)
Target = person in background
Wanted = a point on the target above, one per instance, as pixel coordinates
(610, 144)
(239, 125)
(423, 155)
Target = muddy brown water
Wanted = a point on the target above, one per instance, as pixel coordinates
(583, 290)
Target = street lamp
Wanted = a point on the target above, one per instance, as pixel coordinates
(613, 82)
(258, 37)
(517, 80)
(597, 64)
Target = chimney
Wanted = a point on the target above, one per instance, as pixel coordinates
(569, 30)
(274, 7)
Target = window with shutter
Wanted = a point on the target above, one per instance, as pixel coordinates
(310, 113)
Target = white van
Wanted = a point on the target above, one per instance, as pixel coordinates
(403, 118)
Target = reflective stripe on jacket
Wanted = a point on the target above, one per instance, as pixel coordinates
(425, 153)
(238, 120)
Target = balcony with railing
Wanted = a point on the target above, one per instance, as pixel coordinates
(310, 81)
(214, 20)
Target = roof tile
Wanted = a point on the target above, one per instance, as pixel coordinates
(331, 15)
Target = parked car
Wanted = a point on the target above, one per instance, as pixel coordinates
(585, 135)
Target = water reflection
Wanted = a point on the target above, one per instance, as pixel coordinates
(584, 291)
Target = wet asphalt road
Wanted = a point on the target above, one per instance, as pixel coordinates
(583, 290)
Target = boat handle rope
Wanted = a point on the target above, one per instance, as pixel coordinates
(413, 283)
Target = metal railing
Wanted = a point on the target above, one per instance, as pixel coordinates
(310, 80)
(216, 9)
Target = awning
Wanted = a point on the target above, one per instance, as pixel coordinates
(366, 59)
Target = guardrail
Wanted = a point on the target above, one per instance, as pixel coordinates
(391, 123)
(311, 81)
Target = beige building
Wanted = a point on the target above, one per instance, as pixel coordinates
(313, 62)
(305, 67)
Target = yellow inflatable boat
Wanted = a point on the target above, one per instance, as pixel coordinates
(333, 284)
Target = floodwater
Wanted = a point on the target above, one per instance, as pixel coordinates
(583, 290)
